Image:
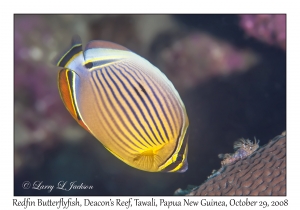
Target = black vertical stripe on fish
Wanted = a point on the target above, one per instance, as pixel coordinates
(127, 103)
(111, 134)
(162, 109)
(167, 108)
(184, 144)
(68, 55)
(126, 65)
(176, 103)
(179, 158)
(120, 139)
(137, 105)
(154, 108)
(172, 166)
(112, 104)
(163, 96)
(71, 77)
(110, 130)
(108, 87)
(142, 146)
(173, 152)
(147, 108)
(123, 108)
(116, 139)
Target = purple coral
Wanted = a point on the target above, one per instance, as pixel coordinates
(270, 29)
(198, 57)
(39, 111)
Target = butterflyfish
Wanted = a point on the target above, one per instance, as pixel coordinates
(126, 103)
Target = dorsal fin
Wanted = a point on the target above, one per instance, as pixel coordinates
(104, 44)
(67, 55)
(76, 40)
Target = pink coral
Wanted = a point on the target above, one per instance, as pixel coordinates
(198, 57)
(270, 29)
(39, 111)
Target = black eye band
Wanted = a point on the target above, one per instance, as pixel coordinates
(68, 56)
(90, 65)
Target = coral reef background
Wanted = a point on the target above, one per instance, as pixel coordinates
(261, 173)
(230, 71)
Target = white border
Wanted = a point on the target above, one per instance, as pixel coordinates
(8, 8)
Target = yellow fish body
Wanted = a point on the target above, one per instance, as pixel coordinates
(128, 104)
